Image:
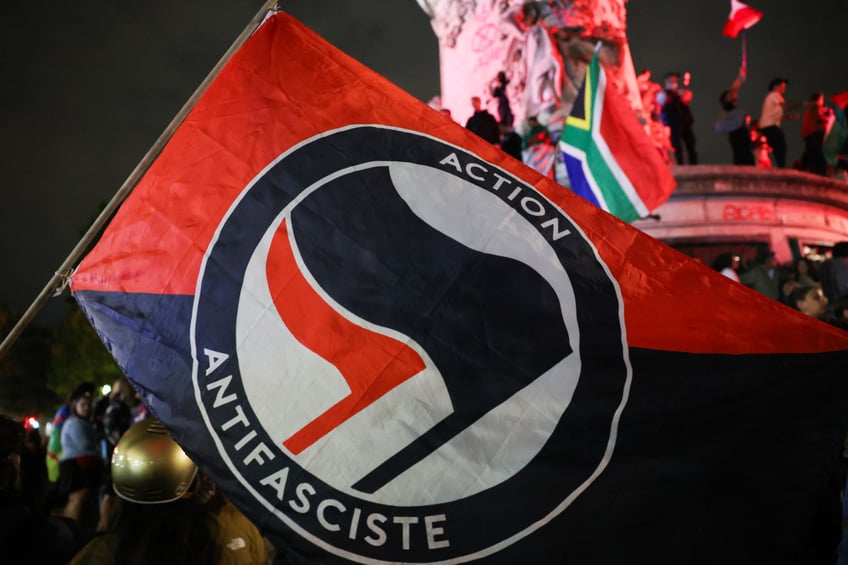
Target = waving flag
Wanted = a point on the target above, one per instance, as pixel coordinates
(610, 160)
(741, 17)
(387, 341)
(840, 99)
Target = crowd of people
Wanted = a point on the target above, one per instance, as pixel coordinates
(759, 141)
(817, 289)
(668, 119)
(762, 142)
(109, 485)
(531, 142)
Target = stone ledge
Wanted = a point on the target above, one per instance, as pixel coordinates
(730, 180)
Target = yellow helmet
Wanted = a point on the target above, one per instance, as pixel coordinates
(148, 467)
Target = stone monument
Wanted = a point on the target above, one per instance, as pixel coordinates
(541, 47)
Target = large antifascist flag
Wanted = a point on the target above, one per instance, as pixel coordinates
(741, 17)
(387, 341)
(609, 157)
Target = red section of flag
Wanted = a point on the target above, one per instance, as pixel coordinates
(634, 151)
(372, 364)
(287, 85)
(840, 99)
(741, 17)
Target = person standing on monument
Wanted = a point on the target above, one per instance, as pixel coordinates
(483, 123)
(687, 133)
(678, 117)
(80, 465)
(736, 123)
(771, 116)
(815, 124)
(498, 90)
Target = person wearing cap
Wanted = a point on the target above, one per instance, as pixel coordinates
(771, 116)
(54, 444)
(80, 465)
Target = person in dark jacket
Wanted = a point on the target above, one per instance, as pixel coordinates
(677, 115)
(483, 123)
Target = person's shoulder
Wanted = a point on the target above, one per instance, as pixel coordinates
(239, 538)
(75, 425)
(754, 273)
(99, 551)
(71, 422)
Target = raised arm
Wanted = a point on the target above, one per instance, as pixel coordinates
(740, 78)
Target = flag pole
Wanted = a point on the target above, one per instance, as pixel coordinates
(60, 278)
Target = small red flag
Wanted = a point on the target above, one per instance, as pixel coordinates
(840, 99)
(741, 17)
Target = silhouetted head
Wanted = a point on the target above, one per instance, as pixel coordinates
(672, 81)
(726, 260)
(728, 99)
(778, 84)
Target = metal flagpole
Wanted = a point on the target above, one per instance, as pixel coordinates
(62, 275)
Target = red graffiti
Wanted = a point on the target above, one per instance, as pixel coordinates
(484, 37)
(755, 212)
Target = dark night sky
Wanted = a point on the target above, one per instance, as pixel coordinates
(90, 86)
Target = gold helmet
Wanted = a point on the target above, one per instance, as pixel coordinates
(148, 467)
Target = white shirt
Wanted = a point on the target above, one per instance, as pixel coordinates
(730, 273)
(772, 111)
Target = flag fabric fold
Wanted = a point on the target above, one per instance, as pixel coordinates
(741, 18)
(610, 160)
(387, 341)
(840, 99)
